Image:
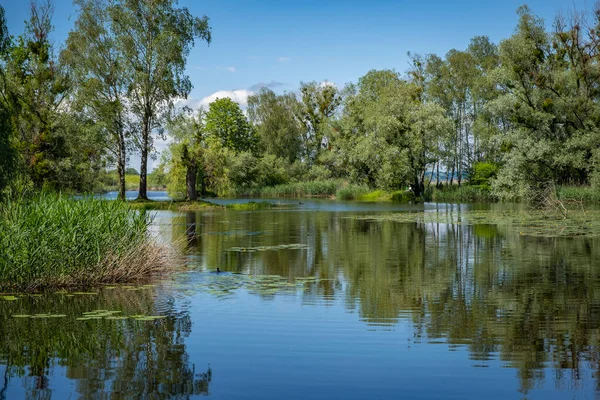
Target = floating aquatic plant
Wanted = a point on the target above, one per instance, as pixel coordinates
(293, 246)
(527, 223)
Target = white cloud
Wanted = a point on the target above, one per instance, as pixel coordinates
(283, 59)
(231, 69)
(326, 83)
(240, 96)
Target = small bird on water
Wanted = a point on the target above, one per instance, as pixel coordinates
(218, 270)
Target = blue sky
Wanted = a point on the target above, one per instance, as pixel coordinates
(282, 42)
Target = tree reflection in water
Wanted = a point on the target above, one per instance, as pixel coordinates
(126, 358)
(530, 302)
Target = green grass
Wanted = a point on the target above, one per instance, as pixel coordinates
(463, 194)
(586, 194)
(325, 188)
(173, 205)
(252, 205)
(54, 240)
(351, 192)
(132, 182)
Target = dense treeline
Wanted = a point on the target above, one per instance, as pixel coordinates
(70, 114)
(515, 118)
(512, 118)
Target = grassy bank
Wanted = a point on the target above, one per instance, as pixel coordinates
(462, 194)
(54, 241)
(199, 205)
(325, 188)
(337, 189)
(585, 194)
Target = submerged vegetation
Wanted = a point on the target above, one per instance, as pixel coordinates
(57, 241)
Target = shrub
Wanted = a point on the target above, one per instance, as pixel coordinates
(482, 173)
(351, 192)
(403, 196)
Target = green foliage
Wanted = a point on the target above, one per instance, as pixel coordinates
(482, 173)
(351, 192)
(403, 196)
(155, 39)
(584, 194)
(280, 133)
(318, 103)
(326, 188)
(52, 238)
(226, 121)
(463, 194)
(7, 152)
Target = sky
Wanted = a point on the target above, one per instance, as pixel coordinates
(279, 43)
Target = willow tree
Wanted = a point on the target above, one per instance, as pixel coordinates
(98, 66)
(155, 37)
(187, 131)
(392, 132)
(549, 91)
(318, 103)
(280, 132)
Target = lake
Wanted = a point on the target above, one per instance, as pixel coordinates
(324, 300)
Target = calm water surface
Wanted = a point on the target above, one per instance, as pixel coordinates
(318, 304)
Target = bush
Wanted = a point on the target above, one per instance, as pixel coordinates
(403, 196)
(351, 192)
(57, 241)
(482, 173)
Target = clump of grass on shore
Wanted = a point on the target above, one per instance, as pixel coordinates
(325, 188)
(463, 194)
(54, 241)
(173, 205)
(351, 192)
(586, 194)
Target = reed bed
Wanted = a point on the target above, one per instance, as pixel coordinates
(57, 241)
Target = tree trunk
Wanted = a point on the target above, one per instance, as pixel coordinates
(143, 192)
(190, 182)
(121, 164)
(418, 186)
(203, 186)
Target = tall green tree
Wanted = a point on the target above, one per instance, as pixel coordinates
(318, 103)
(279, 130)
(549, 93)
(187, 130)
(98, 66)
(226, 121)
(392, 131)
(37, 86)
(155, 37)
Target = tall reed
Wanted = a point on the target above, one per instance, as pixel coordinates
(53, 240)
